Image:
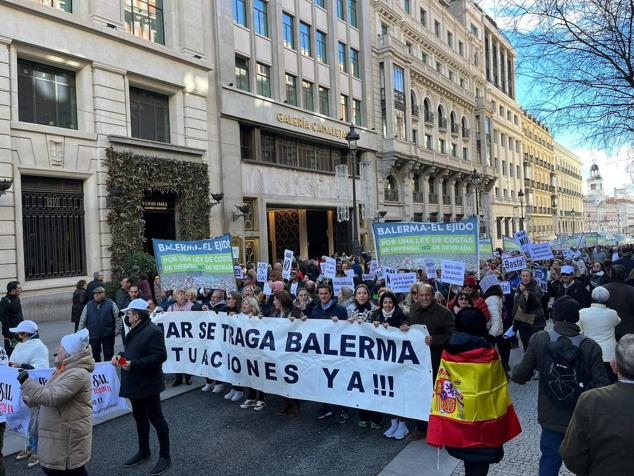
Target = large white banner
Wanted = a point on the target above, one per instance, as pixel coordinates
(354, 365)
(105, 394)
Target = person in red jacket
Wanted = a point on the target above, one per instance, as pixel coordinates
(472, 289)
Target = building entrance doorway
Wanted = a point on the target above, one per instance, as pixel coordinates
(159, 214)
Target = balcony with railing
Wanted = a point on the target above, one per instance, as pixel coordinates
(446, 200)
(433, 198)
(415, 110)
(455, 130)
(390, 195)
(442, 124)
(465, 133)
(459, 200)
(419, 197)
(429, 118)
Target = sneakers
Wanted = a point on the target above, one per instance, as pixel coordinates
(161, 466)
(24, 454)
(207, 387)
(237, 396)
(363, 424)
(401, 432)
(343, 418)
(375, 426)
(137, 459)
(248, 404)
(33, 461)
(259, 406)
(230, 395)
(219, 387)
(324, 413)
(389, 433)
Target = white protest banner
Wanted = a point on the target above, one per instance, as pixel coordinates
(379, 273)
(105, 394)
(262, 272)
(294, 287)
(288, 263)
(378, 369)
(506, 287)
(330, 268)
(235, 252)
(452, 272)
(266, 289)
(374, 264)
(349, 273)
(237, 272)
(322, 267)
(515, 263)
(400, 282)
(523, 241)
(541, 251)
(367, 277)
(342, 282)
(430, 269)
(488, 281)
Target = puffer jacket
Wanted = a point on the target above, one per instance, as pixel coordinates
(65, 418)
(31, 354)
(494, 303)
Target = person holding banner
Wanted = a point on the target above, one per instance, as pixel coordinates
(181, 304)
(64, 422)
(30, 353)
(327, 308)
(142, 382)
(361, 309)
(389, 314)
(303, 303)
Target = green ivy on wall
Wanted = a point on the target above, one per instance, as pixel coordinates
(131, 176)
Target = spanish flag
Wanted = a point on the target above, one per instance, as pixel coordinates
(471, 406)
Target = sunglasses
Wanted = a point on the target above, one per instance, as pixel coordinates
(566, 274)
(462, 299)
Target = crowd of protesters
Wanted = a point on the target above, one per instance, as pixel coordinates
(588, 295)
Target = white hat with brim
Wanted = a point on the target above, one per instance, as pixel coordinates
(28, 327)
(136, 305)
(568, 270)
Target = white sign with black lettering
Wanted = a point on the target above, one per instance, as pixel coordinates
(288, 263)
(452, 272)
(506, 287)
(263, 272)
(330, 268)
(541, 252)
(488, 281)
(523, 241)
(342, 282)
(430, 269)
(400, 282)
(516, 263)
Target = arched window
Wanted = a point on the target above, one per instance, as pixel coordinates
(390, 190)
(442, 122)
(454, 122)
(416, 180)
(429, 116)
(465, 127)
(415, 108)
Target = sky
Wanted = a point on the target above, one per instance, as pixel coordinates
(613, 166)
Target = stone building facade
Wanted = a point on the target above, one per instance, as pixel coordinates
(76, 78)
(569, 211)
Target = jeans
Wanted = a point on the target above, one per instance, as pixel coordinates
(145, 411)
(65, 472)
(550, 461)
(107, 343)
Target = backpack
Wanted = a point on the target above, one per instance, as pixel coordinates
(563, 376)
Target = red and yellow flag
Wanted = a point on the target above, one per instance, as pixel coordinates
(471, 407)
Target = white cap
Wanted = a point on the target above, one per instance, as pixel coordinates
(568, 269)
(76, 342)
(29, 327)
(137, 305)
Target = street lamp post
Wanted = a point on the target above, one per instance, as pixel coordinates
(573, 214)
(520, 195)
(353, 137)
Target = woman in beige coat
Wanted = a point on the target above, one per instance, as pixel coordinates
(65, 418)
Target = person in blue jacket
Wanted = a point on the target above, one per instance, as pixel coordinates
(327, 307)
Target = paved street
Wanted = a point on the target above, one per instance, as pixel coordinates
(211, 435)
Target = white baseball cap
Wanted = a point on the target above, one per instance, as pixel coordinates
(568, 270)
(28, 327)
(137, 305)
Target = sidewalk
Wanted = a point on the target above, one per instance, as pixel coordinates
(51, 333)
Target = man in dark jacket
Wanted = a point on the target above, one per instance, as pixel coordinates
(101, 317)
(326, 307)
(440, 324)
(10, 314)
(96, 282)
(142, 382)
(621, 300)
(626, 259)
(569, 286)
(552, 418)
(600, 437)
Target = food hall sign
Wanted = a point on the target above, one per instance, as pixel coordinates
(314, 126)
